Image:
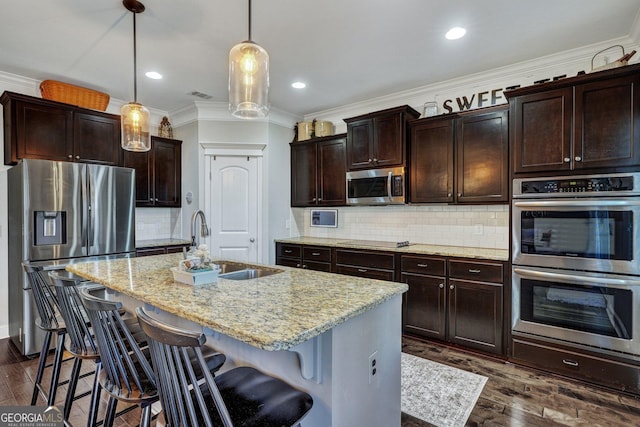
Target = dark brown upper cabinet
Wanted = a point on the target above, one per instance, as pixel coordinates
(378, 140)
(589, 122)
(460, 158)
(318, 173)
(158, 173)
(41, 129)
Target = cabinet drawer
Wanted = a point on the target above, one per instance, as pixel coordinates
(423, 265)
(480, 271)
(288, 262)
(314, 253)
(619, 375)
(317, 266)
(150, 251)
(289, 250)
(176, 249)
(377, 260)
(369, 273)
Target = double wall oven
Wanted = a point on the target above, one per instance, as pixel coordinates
(576, 261)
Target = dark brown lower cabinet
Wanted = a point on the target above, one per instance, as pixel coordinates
(363, 263)
(160, 250)
(463, 306)
(316, 258)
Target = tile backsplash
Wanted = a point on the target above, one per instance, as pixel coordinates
(158, 223)
(482, 226)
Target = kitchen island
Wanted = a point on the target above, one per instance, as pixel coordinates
(320, 332)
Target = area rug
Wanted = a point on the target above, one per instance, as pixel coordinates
(438, 394)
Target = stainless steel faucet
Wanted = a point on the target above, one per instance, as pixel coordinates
(204, 230)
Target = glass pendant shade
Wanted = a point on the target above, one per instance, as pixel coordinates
(248, 81)
(135, 127)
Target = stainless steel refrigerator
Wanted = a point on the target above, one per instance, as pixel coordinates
(59, 213)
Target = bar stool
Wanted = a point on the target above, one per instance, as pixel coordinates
(81, 343)
(241, 396)
(50, 322)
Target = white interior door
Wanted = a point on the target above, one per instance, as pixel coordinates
(233, 196)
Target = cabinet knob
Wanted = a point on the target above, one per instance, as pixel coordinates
(451, 287)
(448, 194)
(304, 265)
(313, 200)
(375, 160)
(70, 156)
(578, 159)
(151, 199)
(77, 157)
(298, 265)
(157, 200)
(567, 159)
(459, 194)
(319, 199)
(370, 160)
(441, 285)
(252, 240)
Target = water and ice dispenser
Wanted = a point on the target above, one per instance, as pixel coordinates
(50, 228)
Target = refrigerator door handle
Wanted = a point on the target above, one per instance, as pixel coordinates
(85, 210)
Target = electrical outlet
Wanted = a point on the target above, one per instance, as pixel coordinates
(372, 366)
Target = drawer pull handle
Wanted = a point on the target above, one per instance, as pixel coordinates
(423, 265)
(474, 271)
(362, 270)
(315, 253)
(287, 251)
(569, 362)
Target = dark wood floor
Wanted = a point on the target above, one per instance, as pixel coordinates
(513, 395)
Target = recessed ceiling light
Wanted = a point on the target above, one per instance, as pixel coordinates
(153, 75)
(455, 33)
(298, 85)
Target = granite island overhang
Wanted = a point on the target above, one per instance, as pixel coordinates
(335, 325)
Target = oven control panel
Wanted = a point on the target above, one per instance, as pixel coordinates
(584, 185)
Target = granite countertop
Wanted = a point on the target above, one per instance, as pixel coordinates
(274, 312)
(414, 248)
(155, 243)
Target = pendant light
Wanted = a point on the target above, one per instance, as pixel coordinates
(248, 79)
(135, 116)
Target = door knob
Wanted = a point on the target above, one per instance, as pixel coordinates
(252, 240)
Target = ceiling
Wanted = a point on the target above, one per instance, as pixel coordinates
(346, 51)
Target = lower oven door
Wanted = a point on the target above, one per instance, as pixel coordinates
(592, 309)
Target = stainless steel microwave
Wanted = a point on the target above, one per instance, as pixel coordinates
(384, 186)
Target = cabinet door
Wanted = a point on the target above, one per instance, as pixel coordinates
(42, 132)
(331, 172)
(606, 124)
(97, 139)
(482, 142)
(542, 131)
(360, 144)
(303, 174)
(431, 175)
(388, 141)
(141, 162)
(167, 171)
(424, 306)
(475, 315)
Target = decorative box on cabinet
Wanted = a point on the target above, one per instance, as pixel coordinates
(158, 173)
(318, 172)
(585, 122)
(41, 129)
(378, 140)
(460, 158)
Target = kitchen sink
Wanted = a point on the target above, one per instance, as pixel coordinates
(248, 273)
(240, 271)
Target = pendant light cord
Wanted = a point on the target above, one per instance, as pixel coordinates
(135, 68)
(249, 20)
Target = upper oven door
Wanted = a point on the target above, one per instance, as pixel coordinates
(592, 234)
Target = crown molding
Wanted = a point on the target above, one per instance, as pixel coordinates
(19, 84)
(522, 73)
(219, 111)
